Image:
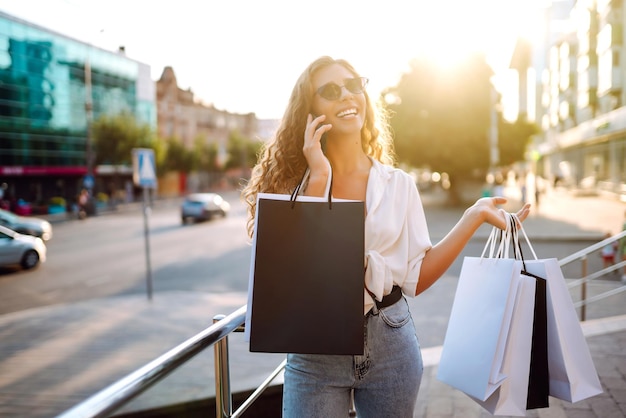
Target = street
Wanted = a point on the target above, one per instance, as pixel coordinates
(86, 304)
(106, 256)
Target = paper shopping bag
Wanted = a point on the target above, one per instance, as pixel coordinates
(539, 378)
(306, 281)
(526, 358)
(510, 398)
(474, 345)
(573, 375)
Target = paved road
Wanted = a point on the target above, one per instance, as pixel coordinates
(53, 357)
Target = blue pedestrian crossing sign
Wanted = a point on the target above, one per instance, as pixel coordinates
(144, 169)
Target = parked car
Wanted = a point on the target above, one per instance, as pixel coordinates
(22, 250)
(27, 225)
(203, 206)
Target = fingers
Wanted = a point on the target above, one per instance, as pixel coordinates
(315, 129)
(522, 214)
(312, 148)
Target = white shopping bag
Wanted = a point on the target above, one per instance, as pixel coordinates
(474, 346)
(511, 397)
(573, 375)
(488, 346)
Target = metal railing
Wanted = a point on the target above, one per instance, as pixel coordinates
(586, 278)
(223, 395)
(117, 395)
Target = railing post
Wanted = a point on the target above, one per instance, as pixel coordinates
(223, 400)
(583, 289)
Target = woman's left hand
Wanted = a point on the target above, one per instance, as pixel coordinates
(493, 215)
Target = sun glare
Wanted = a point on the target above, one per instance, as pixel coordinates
(453, 32)
(454, 29)
(379, 38)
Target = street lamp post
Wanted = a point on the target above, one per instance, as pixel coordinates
(88, 181)
(89, 115)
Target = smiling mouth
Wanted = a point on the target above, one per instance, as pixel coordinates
(347, 112)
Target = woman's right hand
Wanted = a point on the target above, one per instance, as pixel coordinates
(312, 149)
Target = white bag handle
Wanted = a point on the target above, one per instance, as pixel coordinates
(491, 243)
(505, 237)
(520, 227)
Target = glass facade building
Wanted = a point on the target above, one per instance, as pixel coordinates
(44, 86)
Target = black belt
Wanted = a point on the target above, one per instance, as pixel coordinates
(390, 299)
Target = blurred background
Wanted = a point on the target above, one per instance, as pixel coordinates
(521, 98)
(483, 94)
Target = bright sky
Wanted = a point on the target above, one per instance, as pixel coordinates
(244, 56)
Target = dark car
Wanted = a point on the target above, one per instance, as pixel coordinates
(203, 206)
(26, 225)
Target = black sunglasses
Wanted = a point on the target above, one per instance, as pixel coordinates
(332, 91)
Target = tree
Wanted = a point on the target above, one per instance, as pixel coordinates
(204, 155)
(441, 116)
(513, 139)
(177, 156)
(242, 152)
(115, 136)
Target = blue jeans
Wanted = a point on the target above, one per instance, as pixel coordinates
(385, 379)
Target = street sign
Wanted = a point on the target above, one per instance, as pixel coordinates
(88, 182)
(144, 169)
(144, 175)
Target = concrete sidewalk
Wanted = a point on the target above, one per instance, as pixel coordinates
(53, 357)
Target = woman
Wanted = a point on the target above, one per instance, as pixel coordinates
(350, 141)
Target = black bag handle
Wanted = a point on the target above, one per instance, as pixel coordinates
(517, 246)
(296, 191)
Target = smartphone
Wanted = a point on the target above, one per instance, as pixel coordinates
(324, 135)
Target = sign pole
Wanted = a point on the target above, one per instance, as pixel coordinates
(146, 211)
(144, 175)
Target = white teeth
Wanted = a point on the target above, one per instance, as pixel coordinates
(347, 112)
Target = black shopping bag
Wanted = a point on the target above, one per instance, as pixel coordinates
(539, 377)
(307, 276)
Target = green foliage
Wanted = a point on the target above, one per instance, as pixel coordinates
(114, 137)
(513, 140)
(242, 152)
(441, 116)
(178, 158)
(204, 156)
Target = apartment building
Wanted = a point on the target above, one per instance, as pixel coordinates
(581, 100)
(181, 115)
(185, 117)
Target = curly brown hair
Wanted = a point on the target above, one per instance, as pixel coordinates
(281, 162)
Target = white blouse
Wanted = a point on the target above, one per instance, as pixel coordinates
(396, 234)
